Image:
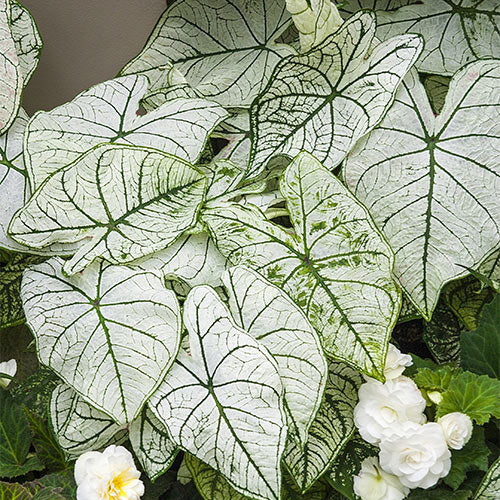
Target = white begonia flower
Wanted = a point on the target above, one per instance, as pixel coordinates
(383, 407)
(395, 363)
(110, 475)
(457, 429)
(373, 483)
(7, 368)
(417, 454)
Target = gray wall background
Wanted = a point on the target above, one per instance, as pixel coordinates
(85, 42)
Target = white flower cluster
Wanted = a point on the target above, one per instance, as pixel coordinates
(413, 452)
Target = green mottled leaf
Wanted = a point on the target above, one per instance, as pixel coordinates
(11, 308)
(63, 481)
(408, 311)
(15, 440)
(11, 78)
(222, 400)
(152, 445)
(489, 489)
(325, 100)
(348, 464)
(320, 490)
(49, 494)
(271, 317)
(329, 432)
(437, 379)
(455, 31)
(436, 87)
(481, 348)
(14, 491)
(466, 299)
(442, 334)
(47, 449)
(230, 65)
(474, 395)
(473, 456)
(335, 266)
(431, 182)
(107, 113)
(119, 324)
(117, 202)
(490, 269)
(439, 494)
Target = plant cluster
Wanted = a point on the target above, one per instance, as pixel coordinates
(212, 251)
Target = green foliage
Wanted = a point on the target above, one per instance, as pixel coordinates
(15, 440)
(437, 379)
(14, 491)
(481, 348)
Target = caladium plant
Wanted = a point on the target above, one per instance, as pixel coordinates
(212, 251)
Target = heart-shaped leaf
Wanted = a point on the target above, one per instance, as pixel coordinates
(349, 7)
(489, 489)
(336, 266)
(331, 429)
(431, 183)
(455, 32)
(325, 100)
(226, 49)
(108, 113)
(222, 400)
(118, 202)
(11, 78)
(271, 317)
(110, 332)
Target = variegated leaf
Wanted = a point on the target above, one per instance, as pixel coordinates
(431, 183)
(80, 427)
(489, 489)
(193, 259)
(108, 113)
(325, 100)
(226, 49)
(331, 429)
(336, 266)
(110, 332)
(271, 317)
(11, 78)
(349, 7)
(490, 268)
(117, 202)
(222, 401)
(27, 39)
(455, 32)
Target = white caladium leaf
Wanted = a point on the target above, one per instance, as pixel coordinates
(263, 201)
(431, 183)
(151, 443)
(194, 259)
(332, 428)
(80, 427)
(456, 32)
(349, 7)
(222, 402)
(14, 185)
(110, 332)
(271, 317)
(125, 201)
(336, 267)
(489, 489)
(26, 38)
(325, 100)
(11, 78)
(226, 49)
(314, 19)
(108, 113)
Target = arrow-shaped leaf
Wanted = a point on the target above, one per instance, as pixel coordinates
(118, 202)
(110, 332)
(226, 49)
(325, 100)
(336, 266)
(222, 401)
(431, 183)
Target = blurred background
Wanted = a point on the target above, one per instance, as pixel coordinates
(85, 42)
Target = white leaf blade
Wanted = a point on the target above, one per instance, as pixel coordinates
(332, 428)
(11, 79)
(312, 104)
(343, 283)
(431, 184)
(222, 401)
(271, 317)
(107, 113)
(126, 202)
(118, 324)
(230, 65)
